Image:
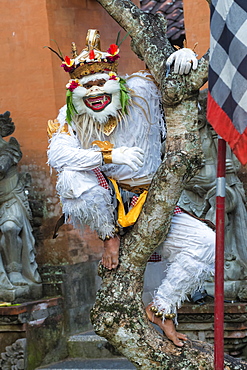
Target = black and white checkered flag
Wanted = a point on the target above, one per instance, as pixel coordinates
(227, 98)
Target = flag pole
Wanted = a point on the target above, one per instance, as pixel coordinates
(219, 257)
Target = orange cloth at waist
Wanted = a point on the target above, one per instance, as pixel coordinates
(130, 218)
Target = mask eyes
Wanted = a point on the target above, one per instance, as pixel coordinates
(87, 86)
(99, 83)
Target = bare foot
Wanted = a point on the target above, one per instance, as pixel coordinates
(111, 253)
(167, 326)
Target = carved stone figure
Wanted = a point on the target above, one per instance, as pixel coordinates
(19, 277)
(15, 356)
(199, 197)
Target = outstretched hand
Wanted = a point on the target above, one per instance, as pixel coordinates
(183, 59)
(132, 157)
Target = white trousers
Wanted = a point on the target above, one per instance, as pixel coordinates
(189, 250)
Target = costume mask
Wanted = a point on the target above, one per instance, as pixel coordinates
(98, 97)
(98, 102)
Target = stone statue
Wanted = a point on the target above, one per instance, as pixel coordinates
(19, 277)
(199, 198)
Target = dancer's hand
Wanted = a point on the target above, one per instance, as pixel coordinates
(132, 157)
(183, 60)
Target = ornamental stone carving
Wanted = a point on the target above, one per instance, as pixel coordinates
(15, 356)
(199, 198)
(19, 277)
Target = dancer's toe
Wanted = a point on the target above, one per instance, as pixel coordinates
(181, 336)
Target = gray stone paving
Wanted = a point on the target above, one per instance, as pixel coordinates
(92, 364)
(89, 351)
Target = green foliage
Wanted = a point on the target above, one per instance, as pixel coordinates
(124, 95)
(71, 111)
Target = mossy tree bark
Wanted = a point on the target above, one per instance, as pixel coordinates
(118, 313)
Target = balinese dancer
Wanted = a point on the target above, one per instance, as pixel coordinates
(106, 147)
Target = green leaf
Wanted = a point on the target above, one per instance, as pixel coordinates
(71, 111)
(123, 39)
(118, 37)
(124, 95)
(60, 53)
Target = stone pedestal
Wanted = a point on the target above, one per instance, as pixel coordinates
(31, 333)
(32, 291)
(198, 323)
(232, 289)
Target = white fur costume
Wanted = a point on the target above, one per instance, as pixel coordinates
(189, 244)
(189, 252)
(83, 199)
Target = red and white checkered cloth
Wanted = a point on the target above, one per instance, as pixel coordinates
(177, 210)
(134, 200)
(101, 178)
(156, 257)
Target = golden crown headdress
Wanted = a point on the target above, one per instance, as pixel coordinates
(91, 59)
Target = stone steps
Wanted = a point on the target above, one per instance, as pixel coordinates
(90, 351)
(89, 345)
(91, 364)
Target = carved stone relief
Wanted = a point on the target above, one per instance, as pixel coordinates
(15, 356)
(199, 198)
(19, 277)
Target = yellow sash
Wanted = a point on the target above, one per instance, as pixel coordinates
(130, 218)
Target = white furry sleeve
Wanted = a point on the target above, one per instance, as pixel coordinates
(65, 153)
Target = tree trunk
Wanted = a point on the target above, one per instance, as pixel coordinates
(118, 313)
